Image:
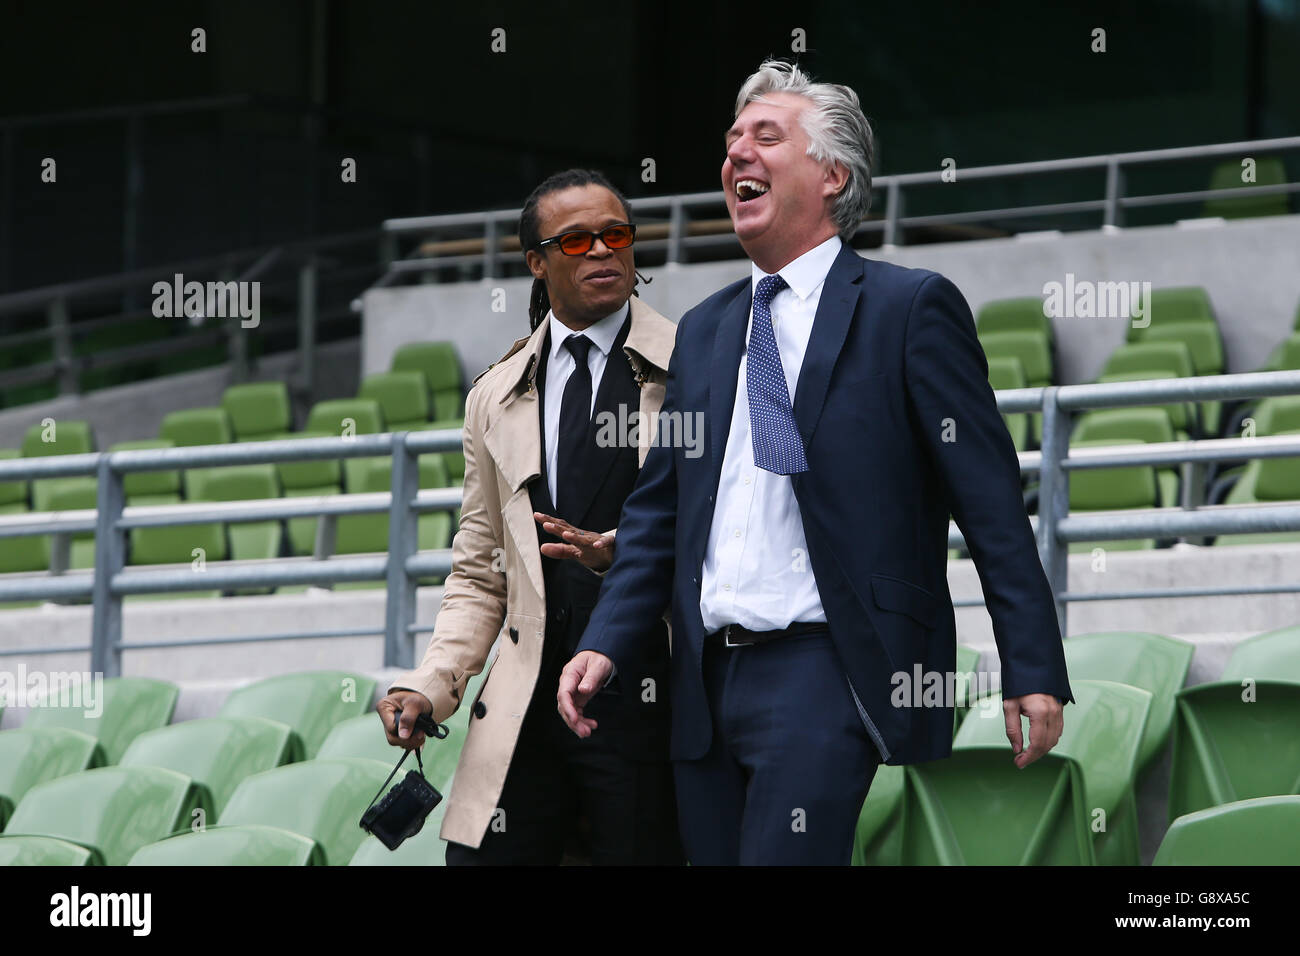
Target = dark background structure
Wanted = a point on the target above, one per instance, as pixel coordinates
(164, 153)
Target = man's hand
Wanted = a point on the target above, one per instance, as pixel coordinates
(592, 550)
(412, 704)
(1045, 725)
(581, 678)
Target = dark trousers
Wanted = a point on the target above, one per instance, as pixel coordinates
(790, 763)
(563, 791)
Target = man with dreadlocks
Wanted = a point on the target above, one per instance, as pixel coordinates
(540, 467)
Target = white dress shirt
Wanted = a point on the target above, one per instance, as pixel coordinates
(560, 365)
(756, 568)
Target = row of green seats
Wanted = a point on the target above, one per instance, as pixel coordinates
(242, 768)
(1233, 742)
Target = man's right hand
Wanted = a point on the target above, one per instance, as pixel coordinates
(581, 679)
(412, 704)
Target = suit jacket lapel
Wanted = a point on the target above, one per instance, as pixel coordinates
(835, 310)
(728, 344)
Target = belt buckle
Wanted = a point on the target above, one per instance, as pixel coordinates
(726, 638)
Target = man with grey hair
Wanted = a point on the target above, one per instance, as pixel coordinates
(848, 414)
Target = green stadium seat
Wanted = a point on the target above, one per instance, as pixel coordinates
(319, 799)
(250, 845)
(13, 492)
(343, 416)
(1005, 372)
(112, 811)
(311, 703)
(192, 427)
(1014, 315)
(249, 540)
(1182, 415)
(129, 707)
(368, 534)
(878, 837)
(1269, 171)
(1202, 339)
(403, 397)
(217, 752)
(1163, 355)
(454, 460)
(1156, 663)
(42, 851)
(29, 757)
(1144, 424)
(258, 409)
(1235, 738)
(1031, 348)
(1285, 355)
(440, 365)
(66, 438)
(178, 544)
(150, 487)
(1174, 305)
(1112, 489)
(1265, 481)
(1043, 814)
(361, 736)
(334, 417)
(308, 479)
(69, 494)
(1264, 831)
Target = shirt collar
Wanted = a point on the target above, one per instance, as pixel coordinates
(602, 333)
(806, 273)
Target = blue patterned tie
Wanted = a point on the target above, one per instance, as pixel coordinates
(778, 447)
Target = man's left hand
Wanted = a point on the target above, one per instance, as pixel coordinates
(592, 550)
(1045, 724)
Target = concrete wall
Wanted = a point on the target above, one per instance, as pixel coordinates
(135, 411)
(1250, 268)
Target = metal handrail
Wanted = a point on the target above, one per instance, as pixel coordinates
(488, 223)
(404, 564)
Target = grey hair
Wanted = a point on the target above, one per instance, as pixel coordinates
(837, 132)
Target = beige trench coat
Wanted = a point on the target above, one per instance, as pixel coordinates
(503, 452)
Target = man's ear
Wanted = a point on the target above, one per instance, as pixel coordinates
(834, 180)
(536, 263)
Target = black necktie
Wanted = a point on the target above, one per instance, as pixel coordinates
(575, 416)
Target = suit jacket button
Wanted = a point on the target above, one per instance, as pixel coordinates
(480, 709)
(514, 634)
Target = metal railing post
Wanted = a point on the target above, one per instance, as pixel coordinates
(1114, 187)
(491, 234)
(110, 555)
(307, 286)
(893, 212)
(238, 347)
(403, 541)
(61, 331)
(676, 231)
(1054, 502)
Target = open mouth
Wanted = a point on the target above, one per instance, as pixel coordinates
(750, 189)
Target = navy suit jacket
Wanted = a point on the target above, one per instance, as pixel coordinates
(901, 430)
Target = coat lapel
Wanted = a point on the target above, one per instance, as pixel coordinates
(835, 310)
(728, 344)
(514, 440)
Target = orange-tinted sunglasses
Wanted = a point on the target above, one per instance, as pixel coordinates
(620, 235)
